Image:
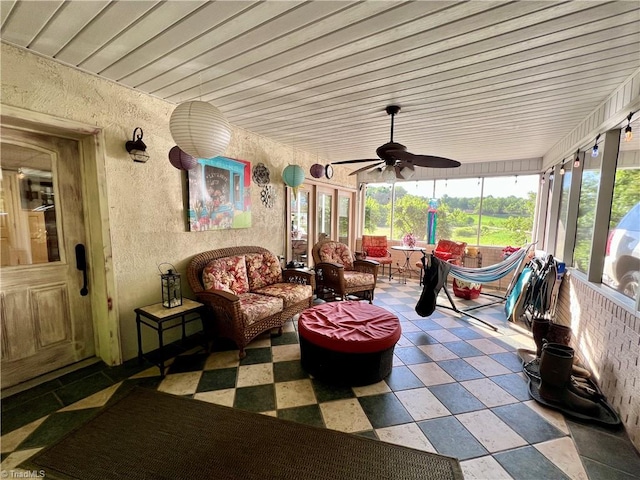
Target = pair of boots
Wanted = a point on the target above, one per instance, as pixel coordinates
(557, 384)
(545, 331)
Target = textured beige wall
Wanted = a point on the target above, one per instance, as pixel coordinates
(147, 217)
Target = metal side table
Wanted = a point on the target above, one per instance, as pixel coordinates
(156, 316)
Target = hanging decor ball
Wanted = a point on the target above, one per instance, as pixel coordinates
(200, 129)
(181, 160)
(293, 176)
(317, 170)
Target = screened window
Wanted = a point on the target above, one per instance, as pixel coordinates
(622, 254)
(586, 212)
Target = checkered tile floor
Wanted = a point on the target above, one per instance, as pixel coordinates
(456, 389)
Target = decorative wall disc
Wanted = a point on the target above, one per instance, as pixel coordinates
(267, 195)
(261, 174)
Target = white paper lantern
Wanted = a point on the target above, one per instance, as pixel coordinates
(200, 129)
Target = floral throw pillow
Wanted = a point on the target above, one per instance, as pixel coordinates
(262, 270)
(376, 252)
(228, 274)
(337, 253)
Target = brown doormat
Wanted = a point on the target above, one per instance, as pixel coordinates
(153, 435)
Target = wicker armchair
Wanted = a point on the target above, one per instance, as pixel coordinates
(338, 273)
(274, 295)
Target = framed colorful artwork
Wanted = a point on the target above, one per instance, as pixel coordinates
(219, 191)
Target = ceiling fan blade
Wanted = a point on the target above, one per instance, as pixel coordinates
(344, 162)
(434, 162)
(368, 167)
(430, 161)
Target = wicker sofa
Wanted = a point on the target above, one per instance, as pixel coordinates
(246, 292)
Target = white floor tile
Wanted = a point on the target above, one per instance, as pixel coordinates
(491, 432)
(345, 416)
(408, 435)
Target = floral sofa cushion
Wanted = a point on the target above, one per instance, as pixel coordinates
(228, 274)
(262, 270)
(290, 293)
(254, 307)
(337, 253)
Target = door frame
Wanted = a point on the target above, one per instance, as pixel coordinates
(91, 145)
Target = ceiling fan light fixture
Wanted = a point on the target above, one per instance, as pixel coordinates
(407, 172)
(389, 174)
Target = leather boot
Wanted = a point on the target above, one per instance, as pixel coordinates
(559, 334)
(539, 329)
(555, 380)
(577, 370)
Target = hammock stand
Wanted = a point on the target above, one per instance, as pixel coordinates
(513, 262)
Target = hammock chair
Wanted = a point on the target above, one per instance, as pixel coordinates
(491, 273)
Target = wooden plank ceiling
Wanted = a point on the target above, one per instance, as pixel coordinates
(477, 81)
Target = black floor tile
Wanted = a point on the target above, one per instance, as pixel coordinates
(308, 414)
(609, 449)
(217, 379)
(29, 411)
(80, 389)
(288, 371)
(527, 423)
(384, 410)
(401, 378)
(527, 463)
(463, 349)
(420, 338)
(411, 355)
(256, 355)
(188, 363)
(259, 398)
(287, 338)
(127, 369)
(85, 372)
(426, 325)
(326, 392)
(509, 360)
(56, 426)
(30, 394)
(514, 384)
(465, 333)
(451, 438)
(456, 398)
(598, 471)
(460, 370)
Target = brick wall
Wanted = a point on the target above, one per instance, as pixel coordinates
(606, 338)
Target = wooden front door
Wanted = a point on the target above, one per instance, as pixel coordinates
(46, 322)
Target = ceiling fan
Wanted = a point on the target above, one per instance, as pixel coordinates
(395, 162)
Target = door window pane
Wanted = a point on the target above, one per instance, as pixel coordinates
(622, 255)
(28, 228)
(344, 219)
(300, 226)
(323, 211)
(586, 212)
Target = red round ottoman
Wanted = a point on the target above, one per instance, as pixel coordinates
(349, 343)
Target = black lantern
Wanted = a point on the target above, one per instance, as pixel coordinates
(171, 288)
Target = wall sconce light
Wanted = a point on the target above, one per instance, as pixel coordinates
(171, 287)
(576, 162)
(595, 151)
(136, 147)
(562, 170)
(628, 133)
